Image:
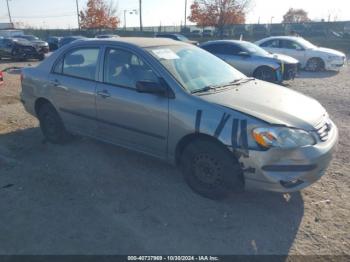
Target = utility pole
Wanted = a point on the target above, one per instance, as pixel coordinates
(185, 14)
(8, 10)
(78, 15)
(140, 10)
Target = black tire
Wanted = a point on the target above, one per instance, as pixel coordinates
(51, 125)
(16, 54)
(315, 65)
(210, 170)
(265, 73)
(41, 57)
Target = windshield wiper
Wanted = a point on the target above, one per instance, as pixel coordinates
(241, 81)
(235, 82)
(205, 89)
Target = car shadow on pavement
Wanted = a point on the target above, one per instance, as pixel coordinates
(323, 74)
(87, 197)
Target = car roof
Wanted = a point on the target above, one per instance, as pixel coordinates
(237, 42)
(280, 37)
(142, 42)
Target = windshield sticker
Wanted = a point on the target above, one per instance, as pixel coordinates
(166, 54)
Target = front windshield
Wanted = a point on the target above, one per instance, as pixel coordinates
(305, 43)
(30, 37)
(182, 38)
(194, 68)
(254, 49)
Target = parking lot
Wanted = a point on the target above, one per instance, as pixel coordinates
(87, 197)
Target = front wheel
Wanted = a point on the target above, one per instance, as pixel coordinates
(265, 73)
(51, 125)
(210, 170)
(315, 65)
(41, 57)
(17, 54)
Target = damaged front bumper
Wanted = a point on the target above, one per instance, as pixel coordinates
(282, 170)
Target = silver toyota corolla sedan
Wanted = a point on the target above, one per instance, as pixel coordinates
(254, 61)
(177, 102)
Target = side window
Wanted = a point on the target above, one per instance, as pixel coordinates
(58, 67)
(291, 45)
(271, 44)
(223, 49)
(233, 49)
(80, 63)
(123, 68)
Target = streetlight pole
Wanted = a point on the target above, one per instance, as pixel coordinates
(185, 14)
(8, 10)
(125, 19)
(140, 10)
(78, 15)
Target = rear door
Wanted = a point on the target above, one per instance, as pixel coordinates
(126, 117)
(73, 85)
(6, 46)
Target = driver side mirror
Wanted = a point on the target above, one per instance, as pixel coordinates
(151, 88)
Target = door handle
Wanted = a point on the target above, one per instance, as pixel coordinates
(55, 83)
(104, 94)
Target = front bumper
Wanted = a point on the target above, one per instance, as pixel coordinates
(290, 71)
(289, 170)
(336, 64)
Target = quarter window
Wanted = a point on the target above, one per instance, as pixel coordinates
(80, 63)
(125, 69)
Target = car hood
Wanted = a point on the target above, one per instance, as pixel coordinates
(284, 58)
(271, 103)
(24, 43)
(40, 43)
(329, 51)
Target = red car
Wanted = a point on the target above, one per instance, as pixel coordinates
(1, 78)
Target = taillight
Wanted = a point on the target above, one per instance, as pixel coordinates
(1, 78)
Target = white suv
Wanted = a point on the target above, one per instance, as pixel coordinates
(311, 57)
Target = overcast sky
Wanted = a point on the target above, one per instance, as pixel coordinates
(62, 13)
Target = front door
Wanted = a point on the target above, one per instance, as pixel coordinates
(126, 117)
(293, 49)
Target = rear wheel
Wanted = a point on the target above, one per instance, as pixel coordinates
(315, 65)
(51, 125)
(210, 170)
(265, 73)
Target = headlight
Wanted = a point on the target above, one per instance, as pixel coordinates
(282, 137)
(332, 57)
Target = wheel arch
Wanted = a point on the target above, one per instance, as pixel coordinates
(39, 103)
(190, 138)
(318, 58)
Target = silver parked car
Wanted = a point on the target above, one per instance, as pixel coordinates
(177, 102)
(254, 61)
